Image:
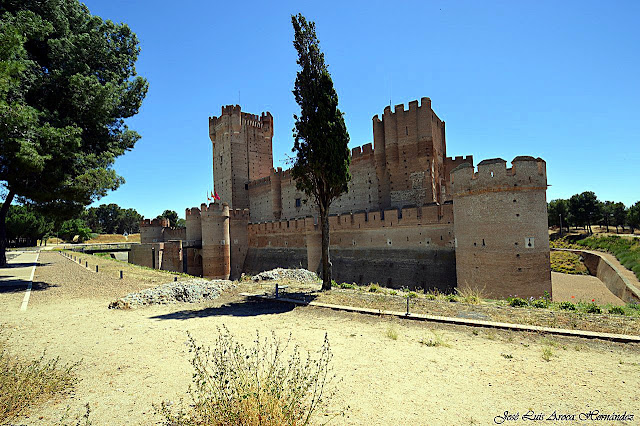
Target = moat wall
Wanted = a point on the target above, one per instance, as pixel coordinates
(411, 247)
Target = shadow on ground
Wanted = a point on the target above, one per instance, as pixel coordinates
(17, 286)
(244, 308)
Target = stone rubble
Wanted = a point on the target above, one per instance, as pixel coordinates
(191, 291)
(300, 275)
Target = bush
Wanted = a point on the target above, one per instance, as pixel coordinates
(540, 303)
(592, 308)
(618, 310)
(257, 385)
(626, 250)
(23, 384)
(567, 306)
(517, 302)
(347, 285)
(412, 295)
(374, 288)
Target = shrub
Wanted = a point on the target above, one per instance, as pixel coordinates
(626, 250)
(374, 288)
(347, 285)
(392, 333)
(567, 306)
(234, 384)
(451, 298)
(437, 340)
(618, 310)
(430, 296)
(517, 302)
(547, 353)
(540, 303)
(23, 384)
(472, 296)
(412, 295)
(592, 308)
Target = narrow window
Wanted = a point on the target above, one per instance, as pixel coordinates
(298, 202)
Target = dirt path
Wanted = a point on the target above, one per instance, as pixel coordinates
(132, 359)
(574, 288)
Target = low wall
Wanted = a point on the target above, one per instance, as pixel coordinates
(601, 268)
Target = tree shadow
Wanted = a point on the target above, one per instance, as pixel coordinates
(19, 286)
(246, 308)
(23, 265)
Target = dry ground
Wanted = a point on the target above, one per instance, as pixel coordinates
(132, 359)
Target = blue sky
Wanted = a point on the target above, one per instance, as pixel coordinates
(557, 80)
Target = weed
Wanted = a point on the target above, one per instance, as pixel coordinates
(23, 384)
(347, 285)
(472, 296)
(592, 308)
(78, 420)
(547, 353)
(618, 310)
(374, 288)
(507, 356)
(517, 302)
(437, 340)
(391, 332)
(430, 296)
(567, 306)
(540, 303)
(393, 292)
(412, 295)
(452, 298)
(234, 384)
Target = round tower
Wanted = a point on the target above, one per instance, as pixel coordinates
(151, 230)
(500, 225)
(216, 254)
(194, 226)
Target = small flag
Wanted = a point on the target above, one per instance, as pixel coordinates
(216, 196)
(208, 198)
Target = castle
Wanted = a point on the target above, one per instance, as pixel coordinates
(412, 216)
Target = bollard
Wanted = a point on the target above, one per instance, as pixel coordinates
(276, 290)
(86, 264)
(120, 274)
(407, 305)
(175, 279)
(96, 268)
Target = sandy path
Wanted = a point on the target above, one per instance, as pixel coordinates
(574, 288)
(132, 359)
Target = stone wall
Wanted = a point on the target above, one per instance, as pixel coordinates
(412, 247)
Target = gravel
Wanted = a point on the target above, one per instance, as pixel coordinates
(300, 275)
(191, 291)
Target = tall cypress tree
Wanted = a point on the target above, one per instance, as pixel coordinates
(321, 168)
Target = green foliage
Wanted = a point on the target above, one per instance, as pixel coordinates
(321, 167)
(555, 210)
(618, 310)
(584, 209)
(540, 303)
(567, 306)
(517, 301)
(67, 83)
(112, 219)
(374, 288)
(72, 228)
(344, 285)
(633, 216)
(25, 225)
(265, 384)
(171, 215)
(592, 308)
(412, 295)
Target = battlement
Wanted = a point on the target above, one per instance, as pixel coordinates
(413, 106)
(239, 214)
(409, 216)
(214, 209)
(461, 159)
(162, 222)
(493, 175)
(193, 212)
(361, 152)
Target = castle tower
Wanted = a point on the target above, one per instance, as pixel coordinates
(216, 255)
(409, 149)
(194, 226)
(241, 152)
(500, 224)
(151, 230)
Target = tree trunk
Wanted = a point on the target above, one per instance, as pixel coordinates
(3, 227)
(326, 261)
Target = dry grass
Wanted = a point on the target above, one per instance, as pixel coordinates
(266, 384)
(471, 295)
(24, 384)
(114, 238)
(567, 263)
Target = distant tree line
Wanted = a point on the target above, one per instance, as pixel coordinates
(584, 210)
(26, 224)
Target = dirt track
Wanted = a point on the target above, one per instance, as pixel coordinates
(132, 359)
